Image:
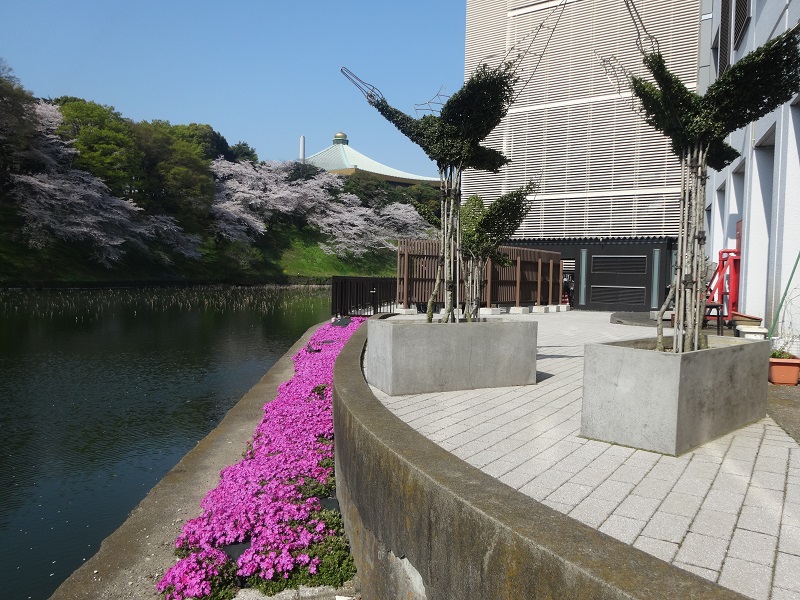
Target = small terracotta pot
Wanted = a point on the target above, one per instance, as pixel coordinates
(784, 371)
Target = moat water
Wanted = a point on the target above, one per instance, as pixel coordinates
(103, 391)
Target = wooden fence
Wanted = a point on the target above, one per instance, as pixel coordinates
(533, 277)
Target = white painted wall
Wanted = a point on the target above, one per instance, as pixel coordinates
(762, 188)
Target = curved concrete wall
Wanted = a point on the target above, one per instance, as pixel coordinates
(425, 524)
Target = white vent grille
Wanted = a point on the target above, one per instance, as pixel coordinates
(604, 171)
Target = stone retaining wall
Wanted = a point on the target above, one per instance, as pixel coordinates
(425, 524)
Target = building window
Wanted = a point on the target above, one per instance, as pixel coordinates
(617, 294)
(741, 19)
(724, 38)
(629, 265)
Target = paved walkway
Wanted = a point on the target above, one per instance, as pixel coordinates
(728, 511)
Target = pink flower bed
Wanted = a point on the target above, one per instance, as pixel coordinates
(260, 499)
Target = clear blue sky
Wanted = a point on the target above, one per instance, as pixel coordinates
(261, 71)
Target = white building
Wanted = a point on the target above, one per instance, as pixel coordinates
(758, 195)
(610, 185)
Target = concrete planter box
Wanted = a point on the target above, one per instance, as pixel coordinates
(413, 357)
(671, 403)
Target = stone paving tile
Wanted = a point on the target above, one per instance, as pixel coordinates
(645, 457)
(592, 475)
(574, 463)
(497, 468)
(624, 529)
(658, 548)
(787, 572)
(562, 508)
(483, 458)
(593, 511)
(630, 473)
(729, 482)
(742, 454)
(789, 540)
(702, 551)
(677, 503)
(723, 501)
(714, 523)
(516, 478)
(773, 451)
(619, 450)
(718, 511)
(668, 471)
(693, 486)
(756, 518)
(637, 507)
(709, 574)
(613, 491)
(791, 514)
(764, 497)
(748, 578)
(650, 487)
(793, 493)
(701, 469)
(667, 527)
(774, 465)
(780, 594)
(570, 494)
(715, 449)
(753, 546)
(737, 467)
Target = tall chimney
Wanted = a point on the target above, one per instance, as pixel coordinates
(303, 149)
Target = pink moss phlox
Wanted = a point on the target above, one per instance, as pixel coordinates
(192, 576)
(258, 499)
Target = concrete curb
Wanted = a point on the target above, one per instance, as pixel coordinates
(425, 524)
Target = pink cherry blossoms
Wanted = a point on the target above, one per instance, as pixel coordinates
(249, 196)
(260, 500)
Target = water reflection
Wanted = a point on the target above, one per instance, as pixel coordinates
(102, 392)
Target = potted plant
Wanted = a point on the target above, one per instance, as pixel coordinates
(784, 368)
(669, 396)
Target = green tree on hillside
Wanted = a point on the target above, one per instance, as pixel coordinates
(242, 151)
(104, 140)
(175, 175)
(210, 143)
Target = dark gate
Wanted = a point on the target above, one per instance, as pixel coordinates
(363, 295)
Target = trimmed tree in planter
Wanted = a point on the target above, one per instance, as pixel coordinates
(452, 136)
(483, 229)
(671, 402)
(452, 140)
(697, 126)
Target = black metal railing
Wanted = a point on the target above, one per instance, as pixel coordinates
(363, 295)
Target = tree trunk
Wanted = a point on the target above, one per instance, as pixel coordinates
(690, 268)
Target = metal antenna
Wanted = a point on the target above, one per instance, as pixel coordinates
(525, 46)
(371, 93)
(522, 48)
(619, 76)
(434, 105)
(645, 42)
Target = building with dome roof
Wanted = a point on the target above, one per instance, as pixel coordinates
(343, 159)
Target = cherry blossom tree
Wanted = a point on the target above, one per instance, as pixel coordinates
(249, 197)
(59, 202)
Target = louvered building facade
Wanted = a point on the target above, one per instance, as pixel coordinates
(609, 183)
